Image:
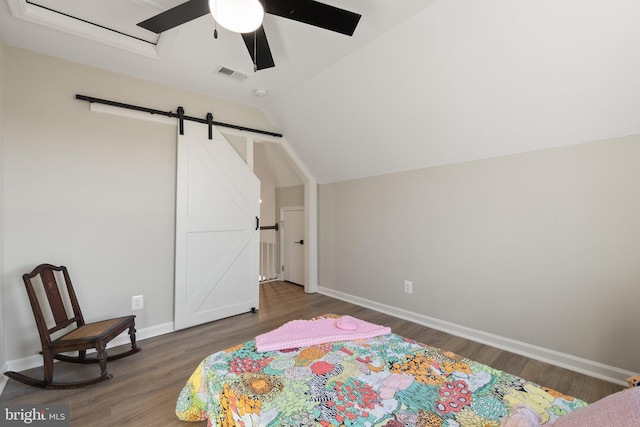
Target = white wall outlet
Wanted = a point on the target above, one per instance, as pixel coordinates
(408, 286)
(137, 302)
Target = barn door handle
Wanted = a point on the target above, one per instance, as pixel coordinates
(300, 241)
(257, 223)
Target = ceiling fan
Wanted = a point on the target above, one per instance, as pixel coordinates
(309, 12)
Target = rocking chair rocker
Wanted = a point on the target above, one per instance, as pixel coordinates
(81, 338)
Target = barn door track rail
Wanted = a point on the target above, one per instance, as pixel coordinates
(178, 114)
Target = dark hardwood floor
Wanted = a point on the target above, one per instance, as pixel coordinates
(145, 386)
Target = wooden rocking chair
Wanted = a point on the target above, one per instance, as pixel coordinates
(80, 338)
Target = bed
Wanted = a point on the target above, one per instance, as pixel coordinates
(383, 380)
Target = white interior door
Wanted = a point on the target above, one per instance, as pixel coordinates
(217, 244)
(293, 245)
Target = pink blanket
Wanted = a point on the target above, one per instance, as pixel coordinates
(304, 333)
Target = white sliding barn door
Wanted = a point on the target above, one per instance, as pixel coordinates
(217, 244)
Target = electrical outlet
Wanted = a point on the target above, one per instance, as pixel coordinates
(137, 302)
(408, 286)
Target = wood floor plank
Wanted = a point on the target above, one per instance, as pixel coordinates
(145, 386)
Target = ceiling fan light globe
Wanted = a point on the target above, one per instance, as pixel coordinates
(239, 16)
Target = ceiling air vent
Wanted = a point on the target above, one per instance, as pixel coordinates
(236, 75)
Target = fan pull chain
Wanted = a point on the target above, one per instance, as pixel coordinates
(255, 51)
(215, 23)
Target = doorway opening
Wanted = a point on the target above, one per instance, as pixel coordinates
(282, 193)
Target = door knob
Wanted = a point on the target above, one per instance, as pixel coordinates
(300, 241)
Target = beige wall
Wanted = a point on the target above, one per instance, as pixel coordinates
(91, 191)
(542, 248)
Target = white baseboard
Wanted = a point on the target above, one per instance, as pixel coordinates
(35, 360)
(584, 366)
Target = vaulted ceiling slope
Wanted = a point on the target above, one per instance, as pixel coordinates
(421, 83)
(465, 80)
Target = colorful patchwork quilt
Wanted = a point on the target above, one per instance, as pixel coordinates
(386, 380)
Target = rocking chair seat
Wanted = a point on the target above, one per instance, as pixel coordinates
(83, 337)
(104, 331)
(96, 331)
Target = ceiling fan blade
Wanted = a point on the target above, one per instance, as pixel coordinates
(178, 15)
(259, 46)
(314, 13)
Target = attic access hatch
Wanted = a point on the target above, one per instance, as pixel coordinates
(89, 18)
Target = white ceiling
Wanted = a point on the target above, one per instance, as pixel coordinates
(300, 51)
(421, 83)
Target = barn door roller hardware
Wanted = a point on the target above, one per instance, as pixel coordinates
(179, 114)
